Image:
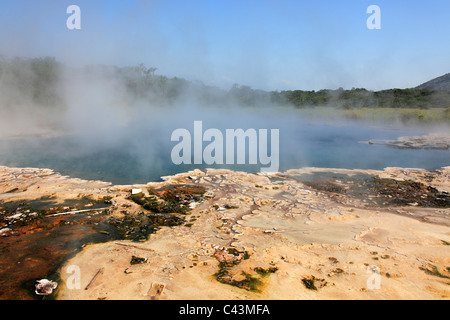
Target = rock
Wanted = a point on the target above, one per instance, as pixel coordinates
(136, 191)
(192, 205)
(420, 142)
(229, 256)
(137, 260)
(5, 232)
(110, 201)
(45, 287)
(15, 216)
(209, 194)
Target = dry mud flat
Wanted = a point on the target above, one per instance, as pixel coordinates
(303, 234)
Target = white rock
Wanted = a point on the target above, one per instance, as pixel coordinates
(45, 287)
(15, 216)
(4, 232)
(136, 191)
(192, 205)
(209, 194)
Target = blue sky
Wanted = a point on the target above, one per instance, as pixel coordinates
(266, 44)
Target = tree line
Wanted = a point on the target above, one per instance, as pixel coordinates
(39, 80)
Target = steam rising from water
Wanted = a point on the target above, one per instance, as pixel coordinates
(115, 124)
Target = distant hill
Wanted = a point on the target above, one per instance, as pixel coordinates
(440, 83)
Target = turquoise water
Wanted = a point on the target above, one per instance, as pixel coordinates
(141, 153)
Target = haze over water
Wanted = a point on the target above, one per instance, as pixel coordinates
(141, 152)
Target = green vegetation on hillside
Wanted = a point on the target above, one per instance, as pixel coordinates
(439, 83)
(362, 98)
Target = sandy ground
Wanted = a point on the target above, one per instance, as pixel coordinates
(343, 245)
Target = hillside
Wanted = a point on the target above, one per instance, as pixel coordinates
(439, 83)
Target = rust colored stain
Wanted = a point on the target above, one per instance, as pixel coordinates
(35, 250)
